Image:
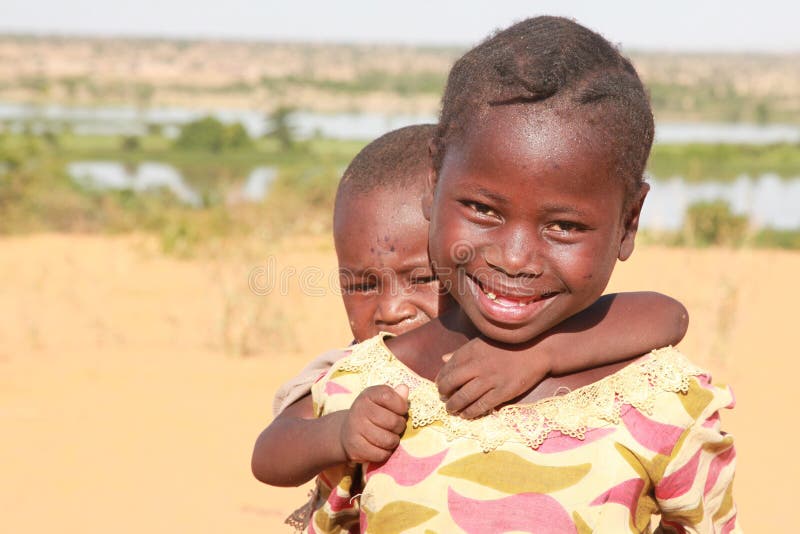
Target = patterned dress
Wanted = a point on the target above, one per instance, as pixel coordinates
(640, 448)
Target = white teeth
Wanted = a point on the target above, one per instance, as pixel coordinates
(491, 295)
(520, 304)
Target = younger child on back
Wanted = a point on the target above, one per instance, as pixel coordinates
(543, 139)
(388, 285)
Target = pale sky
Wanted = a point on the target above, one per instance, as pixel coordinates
(732, 25)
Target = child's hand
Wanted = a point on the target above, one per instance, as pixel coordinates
(371, 431)
(478, 377)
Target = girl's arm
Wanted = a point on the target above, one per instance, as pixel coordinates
(481, 375)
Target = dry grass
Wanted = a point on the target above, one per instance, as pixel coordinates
(124, 410)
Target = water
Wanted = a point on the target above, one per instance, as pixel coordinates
(131, 121)
(257, 185)
(364, 126)
(750, 134)
(149, 175)
(354, 125)
(767, 201)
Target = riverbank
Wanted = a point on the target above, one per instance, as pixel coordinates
(345, 77)
(64, 182)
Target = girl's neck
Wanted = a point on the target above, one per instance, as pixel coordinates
(422, 349)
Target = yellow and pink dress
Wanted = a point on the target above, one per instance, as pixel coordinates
(608, 457)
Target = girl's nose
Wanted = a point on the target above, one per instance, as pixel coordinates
(514, 254)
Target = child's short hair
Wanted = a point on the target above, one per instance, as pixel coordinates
(556, 63)
(398, 159)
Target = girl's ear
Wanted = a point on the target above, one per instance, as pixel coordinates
(632, 223)
(427, 195)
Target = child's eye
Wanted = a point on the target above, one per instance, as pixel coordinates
(420, 280)
(364, 287)
(565, 227)
(481, 208)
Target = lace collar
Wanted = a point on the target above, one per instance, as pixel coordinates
(593, 405)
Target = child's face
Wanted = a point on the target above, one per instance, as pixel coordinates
(384, 269)
(527, 222)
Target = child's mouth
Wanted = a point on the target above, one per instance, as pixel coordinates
(508, 300)
(510, 304)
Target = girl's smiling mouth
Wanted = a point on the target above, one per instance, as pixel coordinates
(509, 305)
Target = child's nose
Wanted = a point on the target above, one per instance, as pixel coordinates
(394, 310)
(514, 254)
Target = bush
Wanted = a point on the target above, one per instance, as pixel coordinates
(772, 238)
(130, 143)
(713, 223)
(235, 137)
(212, 135)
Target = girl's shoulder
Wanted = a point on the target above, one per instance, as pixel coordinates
(663, 386)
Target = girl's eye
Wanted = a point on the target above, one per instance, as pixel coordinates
(481, 208)
(565, 227)
(420, 280)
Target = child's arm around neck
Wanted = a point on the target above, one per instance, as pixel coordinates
(423, 348)
(481, 375)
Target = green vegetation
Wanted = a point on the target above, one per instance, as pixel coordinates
(704, 162)
(717, 103)
(212, 135)
(37, 195)
(713, 223)
(771, 238)
(281, 127)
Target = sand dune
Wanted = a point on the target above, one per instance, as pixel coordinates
(127, 406)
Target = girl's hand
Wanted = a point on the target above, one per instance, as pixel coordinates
(374, 423)
(480, 376)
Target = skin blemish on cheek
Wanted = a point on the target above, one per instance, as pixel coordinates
(392, 248)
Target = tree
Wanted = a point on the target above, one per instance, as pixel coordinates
(212, 135)
(281, 126)
(236, 137)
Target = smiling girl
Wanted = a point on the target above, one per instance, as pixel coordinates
(535, 194)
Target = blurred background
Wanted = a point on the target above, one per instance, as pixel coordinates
(167, 174)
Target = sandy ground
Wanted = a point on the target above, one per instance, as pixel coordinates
(132, 385)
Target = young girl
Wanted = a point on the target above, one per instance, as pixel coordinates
(544, 135)
(381, 238)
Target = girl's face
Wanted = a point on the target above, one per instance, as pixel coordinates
(527, 222)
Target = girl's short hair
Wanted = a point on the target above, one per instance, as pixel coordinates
(552, 62)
